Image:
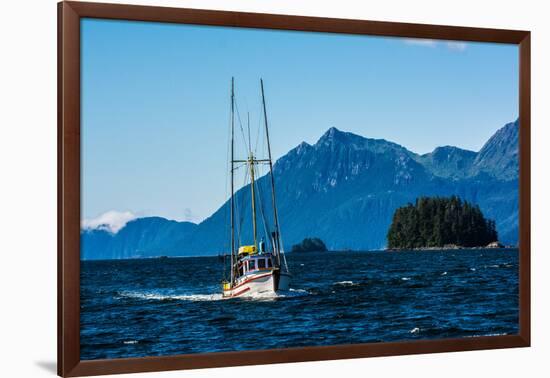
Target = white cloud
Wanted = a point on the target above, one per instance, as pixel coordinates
(457, 46)
(451, 45)
(111, 221)
(420, 42)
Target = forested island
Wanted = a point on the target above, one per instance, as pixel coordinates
(310, 245)
(440, 222)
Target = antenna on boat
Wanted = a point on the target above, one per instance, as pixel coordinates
(232, 183)
(277, 239)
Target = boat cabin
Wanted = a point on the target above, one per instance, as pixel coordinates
(255, 264)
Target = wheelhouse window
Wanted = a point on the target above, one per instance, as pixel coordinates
(261, 263)
(251, 265)
(269, 263)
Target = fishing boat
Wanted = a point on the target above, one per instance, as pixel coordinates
(259, 266)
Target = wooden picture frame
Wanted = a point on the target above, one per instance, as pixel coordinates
(69, 175)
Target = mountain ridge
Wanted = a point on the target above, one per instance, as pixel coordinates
(347, 187)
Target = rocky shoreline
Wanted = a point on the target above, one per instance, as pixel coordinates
(449, 247)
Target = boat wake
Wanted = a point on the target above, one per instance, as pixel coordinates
(167, 297)
(295, 293)
(158, 296)
(290, 293)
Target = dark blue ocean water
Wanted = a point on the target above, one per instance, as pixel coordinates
(151, 307)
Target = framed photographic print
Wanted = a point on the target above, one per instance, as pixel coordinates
(239, 188)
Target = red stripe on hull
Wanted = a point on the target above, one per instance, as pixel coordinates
(250, 280)
(239, 293)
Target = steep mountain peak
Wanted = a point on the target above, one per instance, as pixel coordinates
(297, 152)
(499, 156)
(302, 147)
(332, 135)
(506, 137)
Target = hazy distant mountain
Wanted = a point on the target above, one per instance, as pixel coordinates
(143, 237)
(344, 190)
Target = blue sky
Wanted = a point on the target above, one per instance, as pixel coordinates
(155, 103)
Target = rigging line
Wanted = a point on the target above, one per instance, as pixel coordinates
(248, 126)
(267, 224)
(256, 145)
(275, 215)
(237, 216)
(281, 243)
(241, 211)
(258, 134)
(240, 122)
(227, 171)
(260, 129)
(279, 234)
(232, 182)
(262, 211)
(238, 166)
(284, 256)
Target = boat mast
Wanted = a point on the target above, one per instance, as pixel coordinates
(232, 183)
(251, 163)
(275, 215)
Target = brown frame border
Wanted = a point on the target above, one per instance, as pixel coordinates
(69, 14)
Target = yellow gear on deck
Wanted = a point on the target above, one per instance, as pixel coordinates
(247, 249)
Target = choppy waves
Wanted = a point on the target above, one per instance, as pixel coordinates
(175, 306)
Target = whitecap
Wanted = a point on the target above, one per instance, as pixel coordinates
(488, 334)
(268, 295)
(290, 293)
(415, 330)
(297, 290)
(444, 273)
(130, 342)
(473, 269)
(406, 278)
(345, 283)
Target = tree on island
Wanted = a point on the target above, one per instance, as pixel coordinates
(310, 245)
(439, 221)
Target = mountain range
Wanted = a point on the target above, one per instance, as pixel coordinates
(344, 190)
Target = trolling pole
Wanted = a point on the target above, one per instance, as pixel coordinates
(251, 162)
(232, 184)
(275, 215)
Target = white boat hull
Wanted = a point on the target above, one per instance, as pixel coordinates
(261, 283)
